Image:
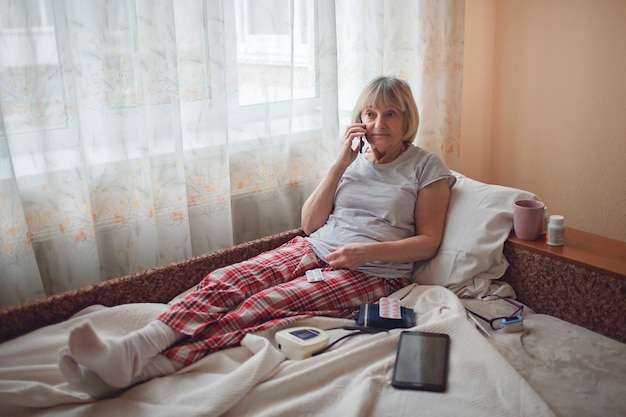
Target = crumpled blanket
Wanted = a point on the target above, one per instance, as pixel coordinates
(255, 379)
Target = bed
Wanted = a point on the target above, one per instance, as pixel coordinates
(556, 367)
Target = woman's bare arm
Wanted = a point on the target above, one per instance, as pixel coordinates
(320, 204)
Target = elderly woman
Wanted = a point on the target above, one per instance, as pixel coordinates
(379, 210)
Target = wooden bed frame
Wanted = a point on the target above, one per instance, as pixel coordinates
(559, 282)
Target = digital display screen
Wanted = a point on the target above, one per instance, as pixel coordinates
(305, 334)
(421, 361)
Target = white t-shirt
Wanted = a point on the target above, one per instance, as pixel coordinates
(376, 203)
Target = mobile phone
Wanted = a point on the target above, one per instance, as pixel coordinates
(422, 361)
(360, 139)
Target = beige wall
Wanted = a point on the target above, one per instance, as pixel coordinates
(544, 105)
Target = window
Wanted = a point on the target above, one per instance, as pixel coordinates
(276, 53)
(31, 14)
(43, 88)
(31, 91)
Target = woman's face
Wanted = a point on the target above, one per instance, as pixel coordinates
(385, 127)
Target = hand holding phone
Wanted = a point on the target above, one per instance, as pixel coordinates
(421, 361)
(360, 139)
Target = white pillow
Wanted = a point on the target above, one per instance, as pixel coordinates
(479, 221)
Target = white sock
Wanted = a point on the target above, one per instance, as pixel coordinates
(82, 378)
(86, 380)
(117, 361)
(158, 366)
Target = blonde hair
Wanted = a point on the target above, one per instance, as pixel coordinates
(389, 91)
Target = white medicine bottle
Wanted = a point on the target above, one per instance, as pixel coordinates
(555, 235)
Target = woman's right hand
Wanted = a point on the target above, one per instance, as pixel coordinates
(348, 152)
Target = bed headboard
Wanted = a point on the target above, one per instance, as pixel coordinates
(157, 285)
(582, 295)
(583, 281)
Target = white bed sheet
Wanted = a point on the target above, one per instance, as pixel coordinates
(579, 373)
(255, 379)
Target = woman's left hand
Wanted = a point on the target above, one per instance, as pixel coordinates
(350, 256)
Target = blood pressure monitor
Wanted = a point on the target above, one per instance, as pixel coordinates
(301, 342)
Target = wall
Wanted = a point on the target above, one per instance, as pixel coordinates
(544, 105)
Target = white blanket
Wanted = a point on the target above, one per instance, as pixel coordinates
(255, 379)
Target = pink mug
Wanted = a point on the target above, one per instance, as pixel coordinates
(528, 218)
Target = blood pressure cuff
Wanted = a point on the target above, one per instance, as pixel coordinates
(369, 316)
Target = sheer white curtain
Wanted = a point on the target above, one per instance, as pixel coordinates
(420, 41)
(138, 133)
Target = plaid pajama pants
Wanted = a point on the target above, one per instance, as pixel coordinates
(265, 291)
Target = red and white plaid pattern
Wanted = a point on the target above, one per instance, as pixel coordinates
(266, 291)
